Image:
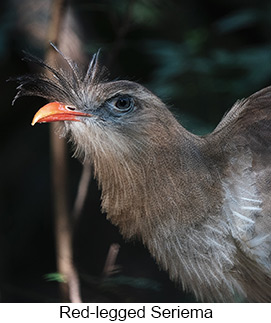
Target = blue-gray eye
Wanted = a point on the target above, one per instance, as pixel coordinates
(123, 103)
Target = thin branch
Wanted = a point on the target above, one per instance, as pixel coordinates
(82, 191)
(110, 267)
(70, 290)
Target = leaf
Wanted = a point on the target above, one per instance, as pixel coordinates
(55, 277)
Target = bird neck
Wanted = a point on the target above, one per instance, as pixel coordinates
(166, 181)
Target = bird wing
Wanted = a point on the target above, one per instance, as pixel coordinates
(244, 135)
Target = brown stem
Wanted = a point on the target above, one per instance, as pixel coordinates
(110, 263)
(69, 290)
(82, 191)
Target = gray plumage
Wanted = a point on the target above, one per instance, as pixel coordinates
(201, 205)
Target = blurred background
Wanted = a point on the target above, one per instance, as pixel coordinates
(198, 56)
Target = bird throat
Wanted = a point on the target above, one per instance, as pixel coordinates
(150, 187)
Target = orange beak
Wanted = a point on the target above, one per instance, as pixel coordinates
(57, 111)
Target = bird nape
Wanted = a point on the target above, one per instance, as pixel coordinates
(201, 205)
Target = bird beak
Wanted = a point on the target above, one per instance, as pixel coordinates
(57, 111)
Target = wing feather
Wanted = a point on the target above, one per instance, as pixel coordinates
(245, 135)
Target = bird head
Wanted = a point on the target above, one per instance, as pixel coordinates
(119, 115)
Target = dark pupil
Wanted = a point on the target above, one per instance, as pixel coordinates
(123, 103)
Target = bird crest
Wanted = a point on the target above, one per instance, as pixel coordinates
(68, 84)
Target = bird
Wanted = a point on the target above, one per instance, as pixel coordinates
(200, 204)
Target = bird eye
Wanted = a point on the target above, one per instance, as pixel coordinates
(123, 103)
(70, 108)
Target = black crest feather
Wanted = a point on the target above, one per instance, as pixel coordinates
(68, 83)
